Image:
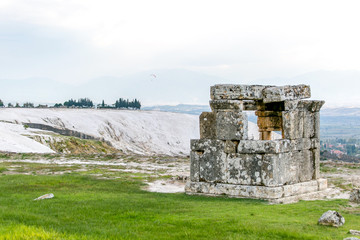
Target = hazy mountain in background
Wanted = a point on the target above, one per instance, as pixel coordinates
(337, 88)
(346, 112)
(174, 86)
(181, 108)
(33, 89)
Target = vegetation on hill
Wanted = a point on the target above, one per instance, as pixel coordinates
(74, 145)
(28, 105)
(82, 103)
(87, 207)
(122, 103)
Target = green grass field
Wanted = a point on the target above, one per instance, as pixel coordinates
(88, 208)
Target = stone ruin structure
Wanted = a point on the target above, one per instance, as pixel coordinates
(225, 162)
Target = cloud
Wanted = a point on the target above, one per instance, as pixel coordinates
(77, 40)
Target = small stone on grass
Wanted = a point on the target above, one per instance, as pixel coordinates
(355, 232)
(331, 218)
(46, 196)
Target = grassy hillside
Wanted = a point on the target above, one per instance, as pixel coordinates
(88, 207)
(74, 145)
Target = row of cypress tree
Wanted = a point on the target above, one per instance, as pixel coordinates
(122, 103)
(86, 103)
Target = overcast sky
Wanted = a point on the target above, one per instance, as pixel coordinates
(74, 41)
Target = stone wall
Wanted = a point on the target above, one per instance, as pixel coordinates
(223, 159)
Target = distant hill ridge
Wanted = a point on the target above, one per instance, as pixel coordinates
(180, 108)
(198, 109)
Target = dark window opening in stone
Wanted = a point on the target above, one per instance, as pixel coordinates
(236, 143)
(275, 106)
(200, 152)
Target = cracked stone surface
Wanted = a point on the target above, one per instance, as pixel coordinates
(225, 161)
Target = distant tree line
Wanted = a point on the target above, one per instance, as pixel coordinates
(82, 103)
(122, 103)
(17, 105)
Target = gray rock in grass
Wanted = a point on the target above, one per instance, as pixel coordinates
(332, 218)
(355, 195)
(355, 232)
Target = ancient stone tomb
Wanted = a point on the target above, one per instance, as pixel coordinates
(225, 162)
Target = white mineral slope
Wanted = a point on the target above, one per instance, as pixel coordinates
(141, 132)
(12, 139)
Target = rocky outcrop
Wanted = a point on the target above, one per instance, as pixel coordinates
(331, 218)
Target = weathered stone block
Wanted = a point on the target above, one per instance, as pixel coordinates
(268, 166)
(223, 161)
(303, 105)
(264, 146)
(231, 126)
(306, 166)
(315, 143)
(316, 116)
(269, 120)
(249, 105)
(194, 165)
(291, 175)
(236, 92)
(310, 105)
(244, 169)
(277, 194)
(231, 146)
(309, 130)
(293, 124)
(275, 169)
(322, 184)
(207, 125)
(200, 150)
(212, 167)
(203, 144)
(278, 94)
(315, 158)
(233, 190)
(300, 188)
(290, 105)
(227, 105)
(300, 144)
(211, 159)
